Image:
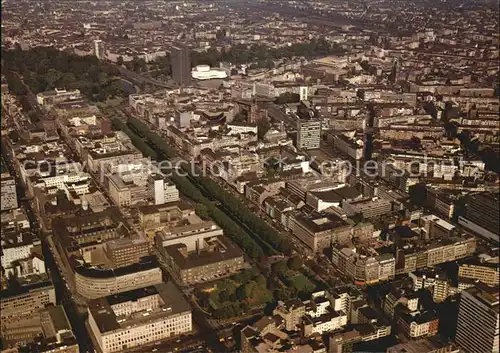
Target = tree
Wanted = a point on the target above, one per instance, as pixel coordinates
(295, 263)
(201, 210)
(15, 84)
(357, 217)
(288, 97)
(278, 268)
(119, 60)
(261, 281)
(263, 127)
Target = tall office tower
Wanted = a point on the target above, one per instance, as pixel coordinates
(99, 49)
(478, 319)
(308, 132)
(181, 65)
(482, 215)
(9, 194)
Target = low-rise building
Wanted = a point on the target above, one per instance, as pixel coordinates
(417, 324)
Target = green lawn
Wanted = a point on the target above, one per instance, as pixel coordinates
(301, 283)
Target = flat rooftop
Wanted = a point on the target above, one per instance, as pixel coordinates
(224, 251)
(172, 303)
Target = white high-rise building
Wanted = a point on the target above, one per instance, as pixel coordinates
(161, 190)
(308, 133)
(99, 49)
(478, 319)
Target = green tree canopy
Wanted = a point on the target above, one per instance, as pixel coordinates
(295, 263)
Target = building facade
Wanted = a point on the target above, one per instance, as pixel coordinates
(478, 319)
(139, 317)
(181, 65)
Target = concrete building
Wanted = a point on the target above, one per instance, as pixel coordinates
(343, 341)
(205, 72)
(20, 310)
(127, 191)
(193, 235)
(219, 258)
(161, 190)
(181, 65)
(486, 272)
(369, 208)
(363, 267)
(138, 317)
(9, 193)
(99, 49)
(319, 230)
(352, 147)
(308, 133)
(125, 252)
(482, 215)
(478, 319)
(93, 283)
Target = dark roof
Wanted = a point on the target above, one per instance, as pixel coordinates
(333, 221)
(194, 259)
(172, 303)
(182, 205)
(11, 292)
(146, 263)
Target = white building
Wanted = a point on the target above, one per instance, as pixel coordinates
(99, 49)
(139, 317)
(161, 190)
(205, 72)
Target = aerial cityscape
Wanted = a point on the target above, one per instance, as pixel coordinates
(250, 176)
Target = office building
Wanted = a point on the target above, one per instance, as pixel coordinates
(486, 272)
(219, 258)
(138, 317)
(482, 215)
(181, 65)
(9, 194)
(93, 283)
(478, 319)
(99, 49)
(20, 310)
(308, 133)
(161, 190)
(125, 251)
(319, 230)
